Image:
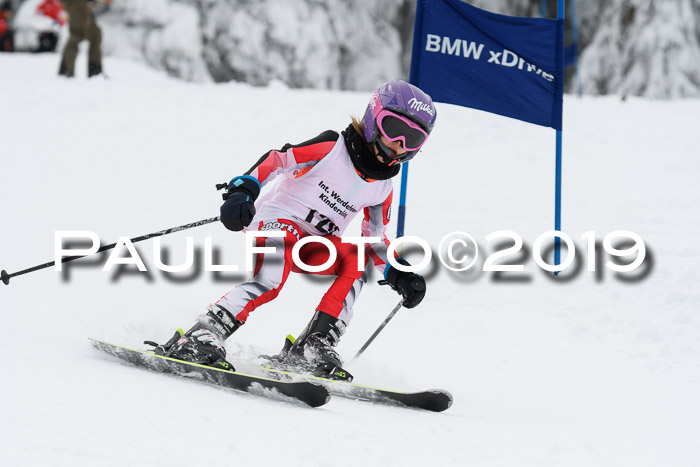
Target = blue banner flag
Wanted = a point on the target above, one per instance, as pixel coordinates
(506, 65)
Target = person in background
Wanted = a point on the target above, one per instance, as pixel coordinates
(6, 37)
(82, 25)
(54, 10)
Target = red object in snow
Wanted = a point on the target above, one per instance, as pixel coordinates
(53, 9)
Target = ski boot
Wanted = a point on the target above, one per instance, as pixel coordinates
(203, 343)
(94, 69)
(312, 352)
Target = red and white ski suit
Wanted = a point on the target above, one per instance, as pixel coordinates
(319, 194)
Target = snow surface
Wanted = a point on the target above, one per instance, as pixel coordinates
(593, 371)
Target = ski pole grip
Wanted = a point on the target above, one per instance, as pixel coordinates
(5, 277)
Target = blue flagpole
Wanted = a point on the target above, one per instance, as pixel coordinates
(557, 202)
(402, 200)
(557, 183)
(413, 79)
(574, 26)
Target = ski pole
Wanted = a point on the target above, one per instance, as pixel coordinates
(5, 277)
(379, 329)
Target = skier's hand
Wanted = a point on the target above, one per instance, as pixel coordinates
(409, 285)
(238, 210)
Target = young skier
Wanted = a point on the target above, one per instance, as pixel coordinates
(326, 182)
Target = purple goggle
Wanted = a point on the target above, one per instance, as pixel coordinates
(396, 127)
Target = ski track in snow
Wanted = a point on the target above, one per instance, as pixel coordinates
(586, 372)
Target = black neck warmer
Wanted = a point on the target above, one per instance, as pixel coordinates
(364, 159)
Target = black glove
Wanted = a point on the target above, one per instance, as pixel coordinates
(410, 285)
(239, 208)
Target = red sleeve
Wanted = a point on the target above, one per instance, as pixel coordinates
(299, 157)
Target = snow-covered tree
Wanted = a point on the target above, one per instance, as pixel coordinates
(637, 47)
(645, 48)
(346, 44)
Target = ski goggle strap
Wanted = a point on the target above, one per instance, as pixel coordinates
(396, 127)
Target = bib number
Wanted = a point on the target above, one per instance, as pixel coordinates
(321, 222)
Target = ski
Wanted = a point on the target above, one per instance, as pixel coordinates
(311, 393)
(434, 400)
